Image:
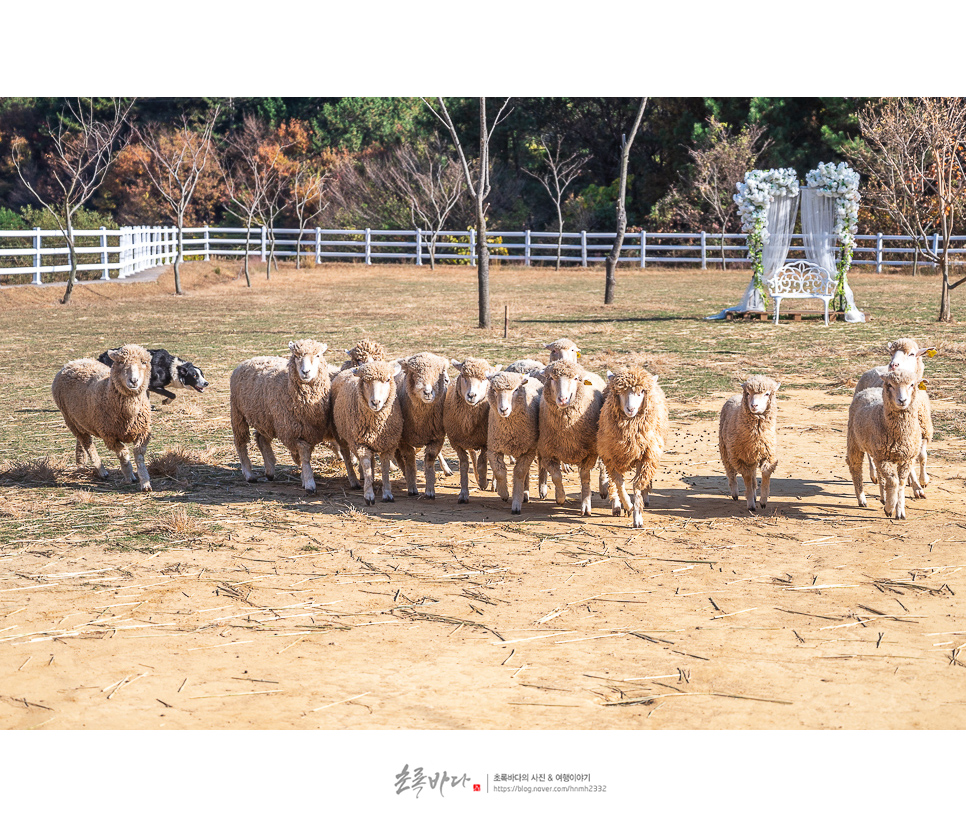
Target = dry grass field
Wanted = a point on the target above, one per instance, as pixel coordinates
(213, 603)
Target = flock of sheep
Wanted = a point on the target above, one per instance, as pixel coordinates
(559, 414)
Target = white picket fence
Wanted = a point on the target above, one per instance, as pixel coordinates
(110, 254)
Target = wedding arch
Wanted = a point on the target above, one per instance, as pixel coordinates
(768, 204)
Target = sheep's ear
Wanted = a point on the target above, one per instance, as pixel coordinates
(656, 378)
(777, 386)
(114, 354)
(323, 347)
(291, 345)
(397, 366)
(455, 364)
(446, 377)
(355, 371)
(497, 369)
(610, 375)
(526, 379)
(930, 352)
(348, 352)
(922, 385)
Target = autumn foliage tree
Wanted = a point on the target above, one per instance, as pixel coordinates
(913, 153)
(177, 158)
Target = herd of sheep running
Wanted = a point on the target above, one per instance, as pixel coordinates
(559, 414)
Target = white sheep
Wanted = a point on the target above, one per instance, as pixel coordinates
(109, 403)
(284, 398)
(632, 436)
(421, 388)
(512, 429)
(748, 439)
(368, 421)
(907, 355)
(466, 413)
(569, 416)
(884, 424)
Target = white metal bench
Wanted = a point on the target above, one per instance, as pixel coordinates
(802, 279)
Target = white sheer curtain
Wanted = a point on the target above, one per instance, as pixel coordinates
(818, 223)
(780, 224)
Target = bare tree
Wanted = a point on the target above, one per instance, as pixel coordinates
(241, 192)
(431, 183)
(479, 190)
(308, 200)
(914, 154)
(556, 180)
(610, 269)
(82, 150)
(179, 157)
(721, 161)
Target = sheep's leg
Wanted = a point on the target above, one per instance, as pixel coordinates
(365, 455)
(444, 466)
(143, 477)
(498, 465)
(749, 476)
(521, 472)
(430, 455)
(853, 457)
(640, 497)
(873, 475)
(526, 486)
(124, 456)
(553, 468)
(386, 460)
(268, 455)
(465, 457)
(603, 479)
(767, 467)
(585, 503)
(406, 456)
(482, 478)
(85, 446)
(890, 498)
(901, 489)
(919, 484)
(350, 469)
(305, 458)
(542, 484)
(732, 474)
(619, 502)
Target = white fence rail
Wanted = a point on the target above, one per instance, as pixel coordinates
(109, 254)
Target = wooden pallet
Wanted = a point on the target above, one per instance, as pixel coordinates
(793, 315)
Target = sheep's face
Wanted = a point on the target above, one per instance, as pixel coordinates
(425, 379)
(759, 394)
(562, 390)
(307, 357)
(905, 353)
(900, 387)
(376, 393)
(631, 401)
(131, 369)
(630, 388)
(472, 390)
(563, 349)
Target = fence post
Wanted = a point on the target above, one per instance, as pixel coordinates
(318, 245)
(643, 249)
(264, 243)
(935, 248)
(583, 248)
(473, 247)
(37, 277)
(878, 252)
(419, 247)
(704, 250)
(368, 247)
(107, 275)
(526, 249)
(207, 244)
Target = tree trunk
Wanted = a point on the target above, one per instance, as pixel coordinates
(483, 268)
(945, 310)
(559, 235)
(724, 260)
(248, 240)
(178, 256)
(72, 255)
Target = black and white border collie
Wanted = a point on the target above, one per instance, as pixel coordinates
(169, 370)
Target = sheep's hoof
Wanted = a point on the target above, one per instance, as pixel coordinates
(370, 502)
(146, 488)
(310, 491)
(269, 477)
(387, 499)
(617, 511)
(430, 495)
(751, 509)
(514, 511)
(734, 497)
(413, 493)
(762, 504)
(462, 500)
(526, 498)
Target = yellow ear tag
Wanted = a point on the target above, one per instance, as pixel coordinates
(932, 352)
(578, 354)
(588, 382)
(922, 385)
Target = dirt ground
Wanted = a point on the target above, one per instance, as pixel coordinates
(322, 613)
